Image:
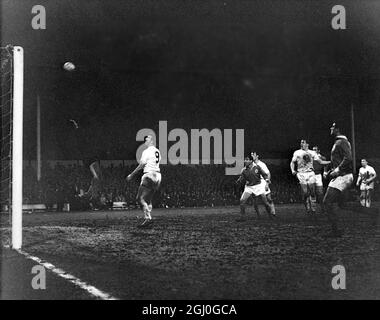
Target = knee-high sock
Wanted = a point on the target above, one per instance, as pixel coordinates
(368, 204)
(256, 206)
(242, 208)
(268, 208)
(363, 198)
(307, 203)
(313, 203)
(145, 208)
(272, 208)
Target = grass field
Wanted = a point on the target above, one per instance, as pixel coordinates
(195, 254)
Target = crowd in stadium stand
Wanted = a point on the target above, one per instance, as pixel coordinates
(182, 186)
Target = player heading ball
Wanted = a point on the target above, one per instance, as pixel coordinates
(151, 179)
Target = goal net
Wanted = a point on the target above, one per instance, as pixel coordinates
(11, 103)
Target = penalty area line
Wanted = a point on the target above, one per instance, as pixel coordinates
(63, 274)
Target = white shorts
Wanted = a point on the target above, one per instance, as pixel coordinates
(318, 180)
(365, 187)
(306, 177)
(342, 182)
(257, 189)
(151, 180)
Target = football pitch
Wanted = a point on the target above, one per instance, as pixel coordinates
(192, 253)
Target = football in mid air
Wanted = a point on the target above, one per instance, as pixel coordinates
(69, 66)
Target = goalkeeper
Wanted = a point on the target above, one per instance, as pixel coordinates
(92, 163)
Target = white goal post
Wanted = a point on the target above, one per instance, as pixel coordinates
(17, 145)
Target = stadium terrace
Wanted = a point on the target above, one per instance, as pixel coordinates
(178, 152)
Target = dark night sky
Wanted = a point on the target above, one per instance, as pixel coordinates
(274, 68)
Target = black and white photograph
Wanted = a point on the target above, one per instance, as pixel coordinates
(190, 155)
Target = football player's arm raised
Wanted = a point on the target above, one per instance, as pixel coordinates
(131, 175)
(266, 170)
(93, 170)
(139, 167)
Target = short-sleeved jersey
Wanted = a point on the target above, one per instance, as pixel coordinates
(367, 173)
(252, 175)
(304, 160)
(151, 158)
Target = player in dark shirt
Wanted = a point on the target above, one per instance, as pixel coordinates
(252, 175)
(91, 162)
(341, 175)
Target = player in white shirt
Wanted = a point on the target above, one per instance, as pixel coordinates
(263, 166)
(366, 181)
(305, 173)
(151, 179)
